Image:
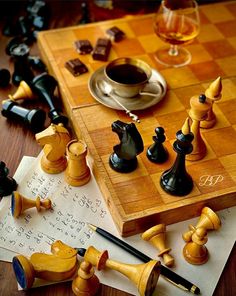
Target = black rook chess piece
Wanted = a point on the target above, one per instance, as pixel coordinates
(176, 180)
(34, 118)
(157, 152)
(44, 86)
(22, 70)
(7, 183)
(124, 159)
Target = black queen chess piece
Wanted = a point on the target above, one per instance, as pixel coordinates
(124, 159)
(157, 153)
(176, 180)
(7, 183)
(44, 86)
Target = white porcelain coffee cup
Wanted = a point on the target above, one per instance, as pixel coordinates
(130, 77)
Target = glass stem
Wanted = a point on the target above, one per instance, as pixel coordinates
(173, 51)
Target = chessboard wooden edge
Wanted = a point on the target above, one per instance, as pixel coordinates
(129, 225)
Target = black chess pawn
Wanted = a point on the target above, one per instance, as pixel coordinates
(5, 77)
(157, 152)
(85, 16)
(124, 159)
(44, 86)
(22, 70)
(34, 118)
(176, 180)
(7, 183)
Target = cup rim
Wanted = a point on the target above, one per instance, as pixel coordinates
(133, 61)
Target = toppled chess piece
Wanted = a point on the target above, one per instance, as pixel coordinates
(176, 180)
(34, 118)
(124, 157)
(208, 220)
(77, 172)
(44, 86)
(58, 266)
(23, 92)
(54, 140)
(19, 204)
(195, 251)
(7, 183)
(157, 152)
(156, 236)
(144, 276)
(86, 283)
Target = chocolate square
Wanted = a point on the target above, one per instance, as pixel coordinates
(115, 34)
(102, 49)
(76, 67)
(83, 46)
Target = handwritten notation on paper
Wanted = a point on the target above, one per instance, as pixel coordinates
(72, 207)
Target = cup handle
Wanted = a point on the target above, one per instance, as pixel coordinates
(156, 90)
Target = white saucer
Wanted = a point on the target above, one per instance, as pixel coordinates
(139, 102)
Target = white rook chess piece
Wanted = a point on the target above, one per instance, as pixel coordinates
(77, 172)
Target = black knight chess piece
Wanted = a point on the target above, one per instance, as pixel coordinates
(176, 180)
(7, 183)
(44, 86)
(157, 152)
(124, 159)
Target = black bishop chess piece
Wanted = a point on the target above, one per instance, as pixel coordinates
(176, 180)
(44, 86)
(7, 183)
(34, 118)
(124, 159)
(157, 152)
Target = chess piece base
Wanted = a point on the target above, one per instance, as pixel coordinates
(53, 167)
(208, 123)
(199, 258)
(196, 156)
(78, 181)
(122, 165)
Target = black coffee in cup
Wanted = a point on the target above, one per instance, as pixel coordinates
(127, 74)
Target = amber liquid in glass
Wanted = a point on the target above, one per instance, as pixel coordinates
(177, 31)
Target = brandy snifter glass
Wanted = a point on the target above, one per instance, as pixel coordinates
(176, 23)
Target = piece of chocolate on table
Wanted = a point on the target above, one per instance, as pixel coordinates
(115, 34)
(83, 46)
(102, 49)
(76, 67)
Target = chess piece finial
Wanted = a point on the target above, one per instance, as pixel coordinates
(145, 276)
(54, 140)
(213, 93)
(124, 157)
(34, 118)
(176, 180)
(77, 172)
(157, 152)
(200, 106)
(156, 236)
(208, 220)
(58, 266)
(44, 86)
(7, 183)
(23, 92)
(86, 283)
(195, 251)
(19, 204)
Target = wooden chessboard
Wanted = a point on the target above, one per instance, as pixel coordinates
(136, 200)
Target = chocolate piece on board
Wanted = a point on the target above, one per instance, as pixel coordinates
(76, 67)
(115, 34)
(102, 49)
(83, 46)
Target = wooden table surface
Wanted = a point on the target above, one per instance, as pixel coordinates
(17, 141)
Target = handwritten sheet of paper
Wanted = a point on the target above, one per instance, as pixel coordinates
(73, 207)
